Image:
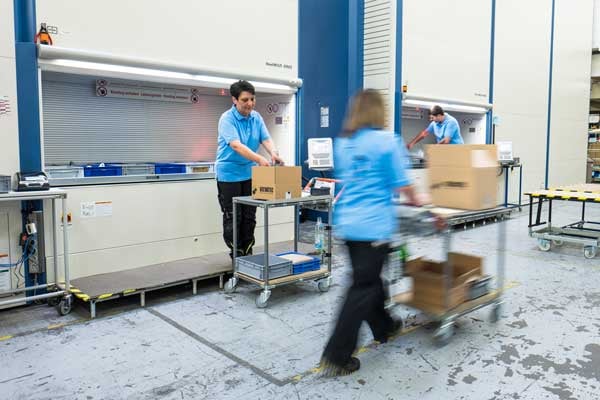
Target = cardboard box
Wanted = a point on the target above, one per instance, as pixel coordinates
(279, 182)
(429, 282)
(463, 176)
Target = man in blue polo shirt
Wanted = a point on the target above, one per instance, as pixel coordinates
(241, 132)
(443, 125)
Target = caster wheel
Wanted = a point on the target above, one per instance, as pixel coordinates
(64, 306)
(263, 298)
(230, 285)
(323, 285)
(496, 312)
(557, 242)
(590, 251)
(53, 301)
(443, 334)
(544, 244)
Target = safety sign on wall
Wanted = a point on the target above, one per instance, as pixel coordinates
(93, 209)
(105, 88)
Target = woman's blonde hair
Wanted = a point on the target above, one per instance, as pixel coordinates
(366, 110)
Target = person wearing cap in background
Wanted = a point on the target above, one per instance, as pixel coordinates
(443, 125)
(241, 133)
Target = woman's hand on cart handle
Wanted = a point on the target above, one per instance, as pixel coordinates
(440, 223)
(411, 196)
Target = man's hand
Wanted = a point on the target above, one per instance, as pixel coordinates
(410, 145)
(276, 159)
(261, 161)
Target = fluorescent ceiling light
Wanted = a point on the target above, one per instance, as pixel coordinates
(200, 80)
(446, 106)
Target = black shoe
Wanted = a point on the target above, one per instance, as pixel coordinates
(331, 369)
(396, 328)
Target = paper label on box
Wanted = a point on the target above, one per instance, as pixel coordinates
(288, 195)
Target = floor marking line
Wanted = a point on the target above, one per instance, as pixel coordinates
(219, 349)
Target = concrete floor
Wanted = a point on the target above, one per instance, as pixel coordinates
(218, 346)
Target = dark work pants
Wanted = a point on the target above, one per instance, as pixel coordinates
(365, 301)
(246, 216)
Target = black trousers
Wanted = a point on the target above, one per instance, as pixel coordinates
(364, 302)
(246, 216)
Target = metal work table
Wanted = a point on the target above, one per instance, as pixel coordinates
(505, 168)
(322, 276)
(581, 232)
(55, 290)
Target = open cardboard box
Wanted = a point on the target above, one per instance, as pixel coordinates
(429, 281)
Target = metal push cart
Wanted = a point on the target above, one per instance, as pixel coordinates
(58, 294)
(582, 232)
(322, 276)
(419, 223)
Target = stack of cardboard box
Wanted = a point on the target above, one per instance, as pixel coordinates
(463, 176)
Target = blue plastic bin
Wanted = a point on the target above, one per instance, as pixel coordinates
(106, 170)
(300, 268)
(169, 168)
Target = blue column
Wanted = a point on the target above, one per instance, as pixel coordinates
(27, 86)
(490, 114)
(398, 78)
(356, 29)
(550, 95)
(30, 150)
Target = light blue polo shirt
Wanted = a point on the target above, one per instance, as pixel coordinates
(447, 128)
(371, 164)
(250, 131)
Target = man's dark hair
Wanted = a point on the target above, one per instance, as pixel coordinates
(241, 86)
(436, 110)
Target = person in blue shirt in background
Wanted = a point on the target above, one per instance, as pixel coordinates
(241, 132)
(372, 164)
(443, 125)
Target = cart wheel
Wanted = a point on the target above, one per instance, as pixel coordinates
(323, 285)
(262, 298)
(443, 334)
(590, 251)
(557, 242)
(496, 312)
(544, 244)
(64, 306)
(230, 285)
(53, 301)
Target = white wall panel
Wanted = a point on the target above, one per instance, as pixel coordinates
(150, 223)
(379, 52)
(278, 112)
(9, 123)
(521, 71)
(570, 92)
(446, 48)
(596, 26)
(7, 29)
(233, 34)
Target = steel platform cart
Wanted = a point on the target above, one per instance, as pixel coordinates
(582, 232)
(322, 277)
(58, 294)
(419, 223)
